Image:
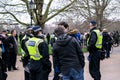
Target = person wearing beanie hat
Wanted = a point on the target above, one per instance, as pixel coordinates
(94, 46)
(68, 58)
(39, 56)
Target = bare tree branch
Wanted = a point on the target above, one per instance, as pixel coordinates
(60, 10)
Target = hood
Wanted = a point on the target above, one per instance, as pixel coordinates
(105, 34)
(63, 40)
(74, 31)
(93, 29)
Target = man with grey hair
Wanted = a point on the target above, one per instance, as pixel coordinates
(68, 56)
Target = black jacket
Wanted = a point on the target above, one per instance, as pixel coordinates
(13, 45)
(3, 75)
(5, 43)
(107, 41)
(67, 54)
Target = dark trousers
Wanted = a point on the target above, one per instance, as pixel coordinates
(26, 75)
(5, 60)
(94, 66)
(12, 61)
(25, 62)
(56, 76)
(35, 76)
(3, 76)
(107, 53)
(107, 47)
(44, 75)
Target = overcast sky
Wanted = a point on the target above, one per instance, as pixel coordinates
(26, 17)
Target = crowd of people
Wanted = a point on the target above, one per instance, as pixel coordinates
(68, 58)
(9, 49)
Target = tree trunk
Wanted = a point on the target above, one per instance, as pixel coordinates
(39, 18)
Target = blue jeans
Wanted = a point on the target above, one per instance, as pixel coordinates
(74, 75)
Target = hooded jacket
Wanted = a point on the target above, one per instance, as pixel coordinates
(75, 33)
(67, 54)
(107, 41)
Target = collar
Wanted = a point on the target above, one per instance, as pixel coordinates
(93, 29)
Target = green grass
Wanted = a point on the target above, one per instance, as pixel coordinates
(84, 49)
(19, 49)
(50, 49)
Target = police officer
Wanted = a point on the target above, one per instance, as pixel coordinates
(94, 46)
(40, 66)
(25, 54)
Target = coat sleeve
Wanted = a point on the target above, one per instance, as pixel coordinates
(56, 64)
(80, 54)
(24, 47)
(43, 49)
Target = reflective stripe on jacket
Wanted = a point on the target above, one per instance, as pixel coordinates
(32, 46)
(99, 41)
(22, 51)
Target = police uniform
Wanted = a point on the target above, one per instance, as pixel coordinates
(94, 45)
(24, 51)
(39, 57)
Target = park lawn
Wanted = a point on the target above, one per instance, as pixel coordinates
(84, 49)
(50, 49)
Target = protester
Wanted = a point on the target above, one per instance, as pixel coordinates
(66, 26)
(107, 42)
(116, 38)
(48, 38)
(3, 75)
(13, 50)
(5, 48)
(70, 65)
(76, 34)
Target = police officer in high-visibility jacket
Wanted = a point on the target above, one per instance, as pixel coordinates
(25, 55)
(94, 46)
(39, 65)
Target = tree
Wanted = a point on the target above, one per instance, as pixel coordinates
(87, 10)
(40, 15)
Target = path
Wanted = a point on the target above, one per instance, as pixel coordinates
(110, 68)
